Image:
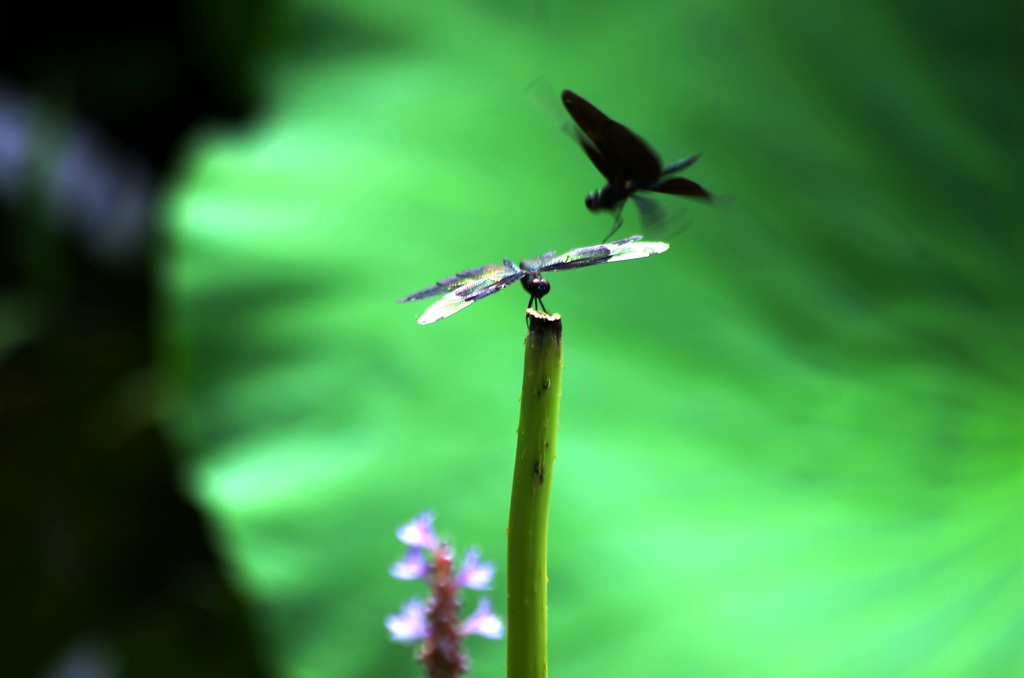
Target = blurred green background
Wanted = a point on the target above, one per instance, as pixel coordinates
(789, 446)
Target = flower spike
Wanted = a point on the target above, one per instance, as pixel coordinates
(434, 623)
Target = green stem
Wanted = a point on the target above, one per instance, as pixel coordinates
(531, 493)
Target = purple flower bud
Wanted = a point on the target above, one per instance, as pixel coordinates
(483, 622)
(413, 566)
(419, 532)
(409, 625)
(474, 574)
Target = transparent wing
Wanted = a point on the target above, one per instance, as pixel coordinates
(631, 248)
(470, 292)
(536, 263)
(619, 250)
(458, 280)
(651, 213)
(552, 261)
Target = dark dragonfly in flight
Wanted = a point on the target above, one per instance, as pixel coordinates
(627, 163)
(463, 289)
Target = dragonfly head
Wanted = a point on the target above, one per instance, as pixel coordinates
(594, 202)
(536, 286)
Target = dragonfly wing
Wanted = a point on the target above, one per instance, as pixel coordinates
(469, 293)
(577, 258)
(455, 281)
(447, 305)
(619, 250)
(583, 256)
(632, 248)
(680, 165)
(681, 186)
(486, 288)
(627, 154)
(538, 263)
(651, 213)
(607, 171)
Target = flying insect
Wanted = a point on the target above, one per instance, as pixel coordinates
(628, 164)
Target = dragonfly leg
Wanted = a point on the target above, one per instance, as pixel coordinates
(537, 305)
(618, 223)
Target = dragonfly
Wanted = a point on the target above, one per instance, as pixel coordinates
(470, 286)
(627, 163)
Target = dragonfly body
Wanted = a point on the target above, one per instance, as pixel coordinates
(627, 163)
(465, 288)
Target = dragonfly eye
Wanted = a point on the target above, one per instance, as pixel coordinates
(594, 201)
(536, 285)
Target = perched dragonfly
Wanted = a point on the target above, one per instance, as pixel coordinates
(463, 289)
(627, 163)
